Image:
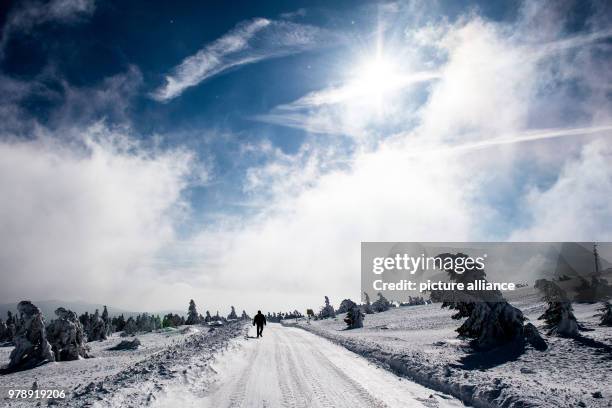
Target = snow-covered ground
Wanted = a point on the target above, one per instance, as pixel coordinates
(290, 367)
(123, 378)
(408, 349)
(420, 343)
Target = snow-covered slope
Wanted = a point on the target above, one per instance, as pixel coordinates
(419, 343)
(123, 378)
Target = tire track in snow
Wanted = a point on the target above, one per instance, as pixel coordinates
(237, 395)
(288, 396)
(358, 397)
(295, 369)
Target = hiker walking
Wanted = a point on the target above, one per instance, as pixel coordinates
(260, 321)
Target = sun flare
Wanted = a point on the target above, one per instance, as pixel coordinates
(377, 76)
(373, 82)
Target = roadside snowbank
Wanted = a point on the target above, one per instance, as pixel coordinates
(125, 377)
(419, 343)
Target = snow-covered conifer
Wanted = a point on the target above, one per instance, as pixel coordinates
(606, 314)
(491, 320)
(327, 311)
(345, 306)
(192, 314)
(367, 306)
(354, 317)
(232, 315)
(559, 316)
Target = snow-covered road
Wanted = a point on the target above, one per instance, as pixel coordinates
(290, 367)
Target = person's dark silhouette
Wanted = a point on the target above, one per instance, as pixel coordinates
(260, 321)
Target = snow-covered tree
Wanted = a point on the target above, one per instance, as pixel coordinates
(560, 319)
(232, 315)
(606, 314)
(108, 325)
(118, 323)
(491, 320)
(367, 306)
(4, 331)
(130, 327)
(414, 301)
(559, 316)
(172, 320)
(208, 317)
(66, 336)
(345, 306)
(245, 316)
(97, 328)
(595, 290)
(381, 304)
(327, 311)
(31, 345)
(354, 317)
(192, 314)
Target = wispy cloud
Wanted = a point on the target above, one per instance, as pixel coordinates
(30, 14)
(604, 130)
(249, 42)
(323, 111)
(311, 111)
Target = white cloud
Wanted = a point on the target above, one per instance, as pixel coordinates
(576, 207)
(29, 14)
(484, 106)
(81, 220)
(247, 43)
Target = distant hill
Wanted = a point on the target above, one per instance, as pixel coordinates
(48, 308)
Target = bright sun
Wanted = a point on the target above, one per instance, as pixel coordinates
(373, 81)
(377, 76)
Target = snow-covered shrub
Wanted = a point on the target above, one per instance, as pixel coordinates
(127, 345)
(414, 301)
(292, 315)
(381, 304)
(143, 323)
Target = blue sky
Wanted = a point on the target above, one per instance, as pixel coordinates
(115, 36)
(209, 147)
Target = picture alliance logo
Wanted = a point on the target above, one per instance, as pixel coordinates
(404, 262)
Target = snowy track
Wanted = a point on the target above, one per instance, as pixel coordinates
(290, 367)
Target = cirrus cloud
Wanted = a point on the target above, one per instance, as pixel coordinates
(249, 42)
